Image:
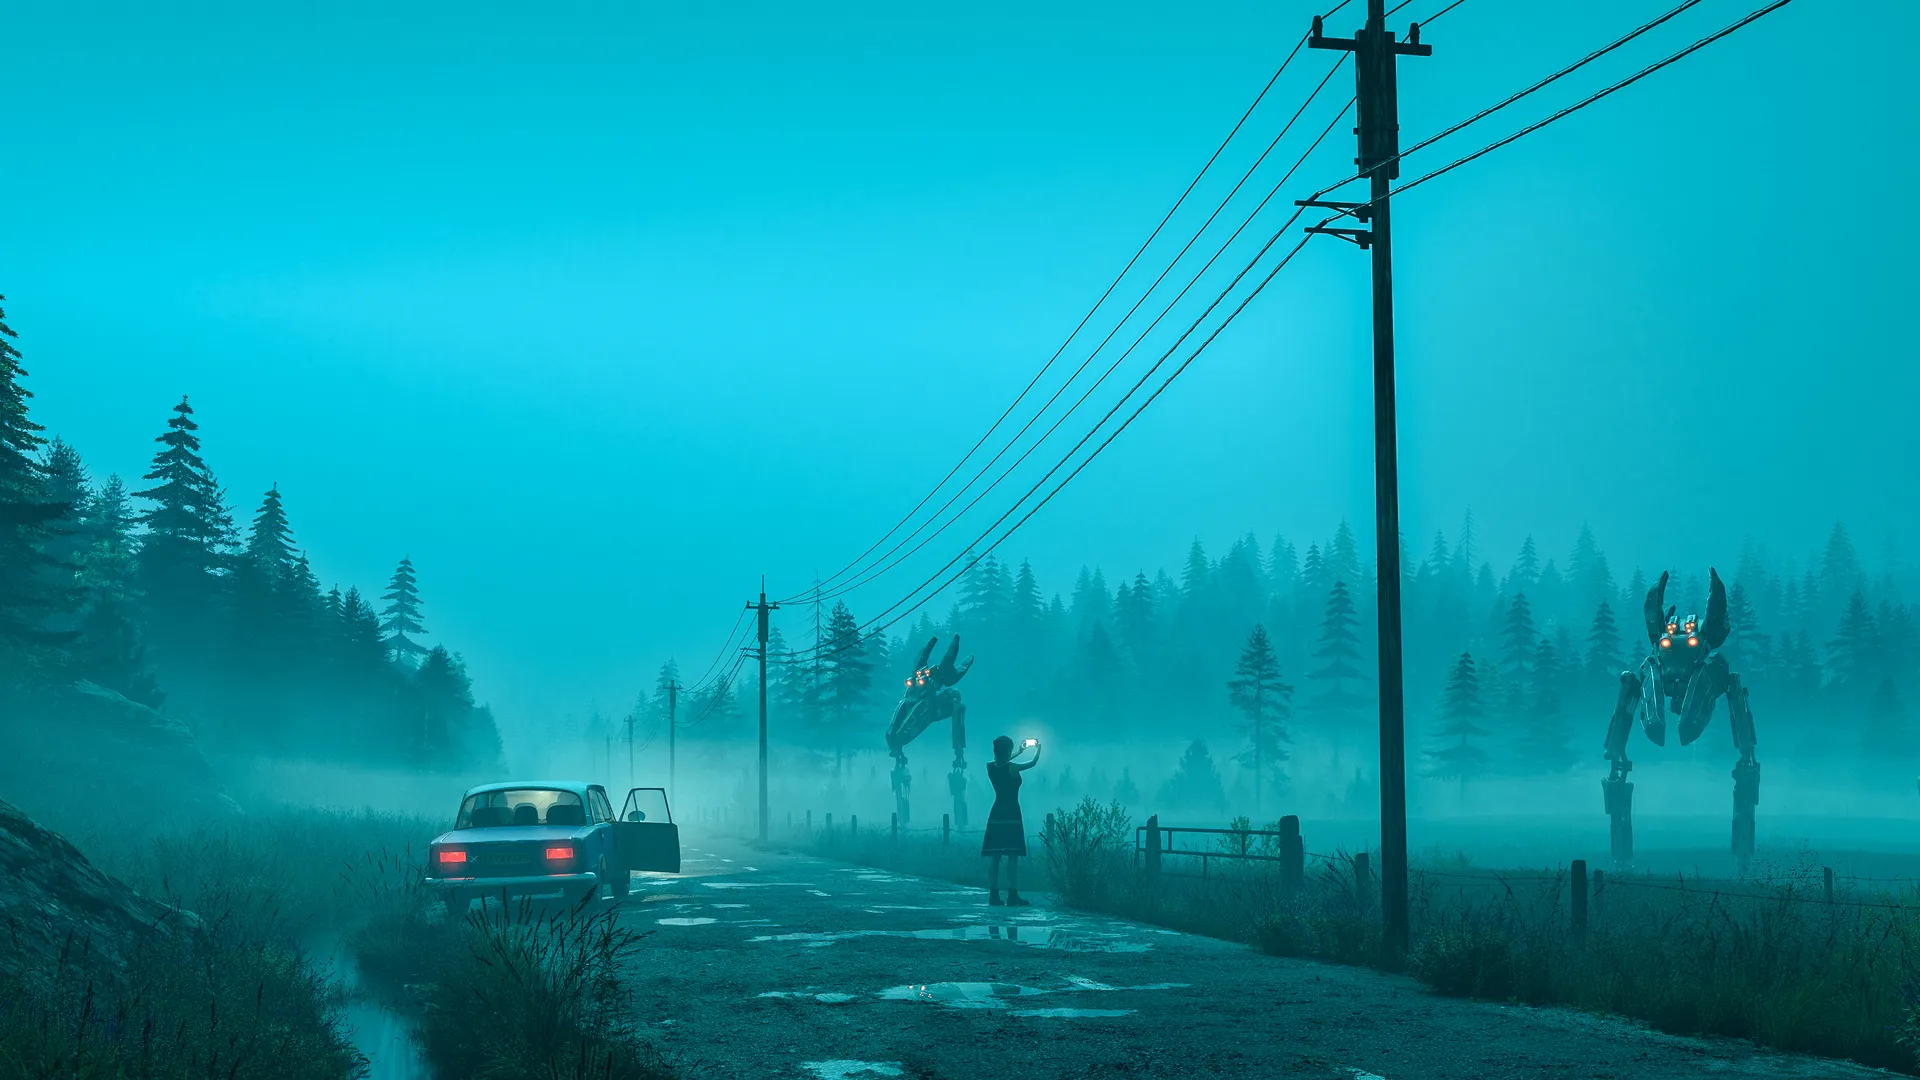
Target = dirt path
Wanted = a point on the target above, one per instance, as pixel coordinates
(784, 965)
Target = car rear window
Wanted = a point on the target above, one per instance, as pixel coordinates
(521, 806)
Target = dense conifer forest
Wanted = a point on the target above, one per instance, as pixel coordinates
(159, 590)
(1509, 672)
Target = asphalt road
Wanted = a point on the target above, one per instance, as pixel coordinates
(784, 965)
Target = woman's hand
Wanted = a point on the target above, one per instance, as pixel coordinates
(1025, 765)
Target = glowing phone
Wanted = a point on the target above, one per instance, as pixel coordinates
(1032, 742)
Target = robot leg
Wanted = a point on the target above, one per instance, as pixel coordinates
(1616, 789)
(1746, 771)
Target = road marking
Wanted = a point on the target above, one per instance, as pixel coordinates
(702, 921)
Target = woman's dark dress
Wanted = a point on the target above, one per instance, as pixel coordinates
(1006, 833)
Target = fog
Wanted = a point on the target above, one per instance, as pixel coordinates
(601, 319)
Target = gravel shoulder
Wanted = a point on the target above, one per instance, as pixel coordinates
(773, 964)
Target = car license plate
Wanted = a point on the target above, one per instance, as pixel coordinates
(496, 858)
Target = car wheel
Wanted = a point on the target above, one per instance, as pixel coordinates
(622, 884)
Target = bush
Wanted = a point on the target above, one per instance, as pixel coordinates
(1088, 850)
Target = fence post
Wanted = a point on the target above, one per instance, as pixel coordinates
(946, 826)
(1049, 831)
(1599, 909)
(809, 823)
(1362, 882)
(853, 825)
(1579, 898)
(1293, 855)
(1827, 873)
(829, 827)
(896, 826)
(1153, 848)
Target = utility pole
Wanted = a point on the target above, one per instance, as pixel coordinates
(673, 712)
(1375, 64)
(764, 609)
(630, 713)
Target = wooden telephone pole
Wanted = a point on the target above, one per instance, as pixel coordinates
(1375, 64)
(673, 712)
(764, 609)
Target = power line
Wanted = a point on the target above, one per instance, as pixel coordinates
(1258, 98)
(1536, 87)
(871, 624)
(1127, 422)
(873, 573)
(1571, 109)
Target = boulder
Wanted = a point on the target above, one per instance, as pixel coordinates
(56, 907)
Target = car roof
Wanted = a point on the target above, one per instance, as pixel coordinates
(578, 787)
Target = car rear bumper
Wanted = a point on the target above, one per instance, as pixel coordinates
(532, 883)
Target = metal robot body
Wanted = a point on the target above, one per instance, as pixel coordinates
(1683, 674)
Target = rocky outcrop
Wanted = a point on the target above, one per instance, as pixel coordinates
(56, 907)
(87, 752)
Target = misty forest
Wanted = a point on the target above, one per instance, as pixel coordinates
(1495, 659)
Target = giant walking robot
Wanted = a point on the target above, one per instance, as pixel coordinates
(928, 699)
(1682, 674)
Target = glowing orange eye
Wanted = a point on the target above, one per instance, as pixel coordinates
(1666, 643)
(1693, 641)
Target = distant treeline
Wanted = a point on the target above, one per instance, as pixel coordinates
(1513, 671)
(156, 594)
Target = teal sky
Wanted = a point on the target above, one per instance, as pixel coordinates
(601, 312)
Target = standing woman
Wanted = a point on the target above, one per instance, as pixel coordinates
(1006, 833)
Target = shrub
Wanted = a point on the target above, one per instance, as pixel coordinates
(1087, 850)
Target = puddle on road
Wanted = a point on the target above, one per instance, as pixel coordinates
(701, 921)
(736, 884)
(726, 905)
(830, 999)
(817, 892)
(658, 897)
(1062, 938)
(990, 995)
(843, 1070)
(960, 995)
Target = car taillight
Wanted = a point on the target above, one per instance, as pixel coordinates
(559, 854)
(451, 857)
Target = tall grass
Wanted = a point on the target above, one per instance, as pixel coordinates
(221, 989)
(510, 990)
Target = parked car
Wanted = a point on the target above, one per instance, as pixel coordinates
(540, 837)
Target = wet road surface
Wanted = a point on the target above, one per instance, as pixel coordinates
(785, 965)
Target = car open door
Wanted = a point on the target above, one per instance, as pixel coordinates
(644, 834)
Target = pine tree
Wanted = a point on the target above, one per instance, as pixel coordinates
(1196, 782)
(1460, 706)
(1543, 722)
(1521, 637)
(1193, 581)
(1853, 649)
(1343, 555)
(1587, 571)
(1526, 569)
(1133, 612)
(1264, 703)
(183, 552)
(402, 614)
(31, 593)
(64, 480)
(445, 692)
(1746, 646)
(1604, 660)
(1840, 570)
(1125, 791)
(847, 678)
(1339, 653)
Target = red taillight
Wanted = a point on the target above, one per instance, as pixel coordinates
(559, 854)
(453, 856)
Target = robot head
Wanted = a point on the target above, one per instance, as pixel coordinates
(1681, 644)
